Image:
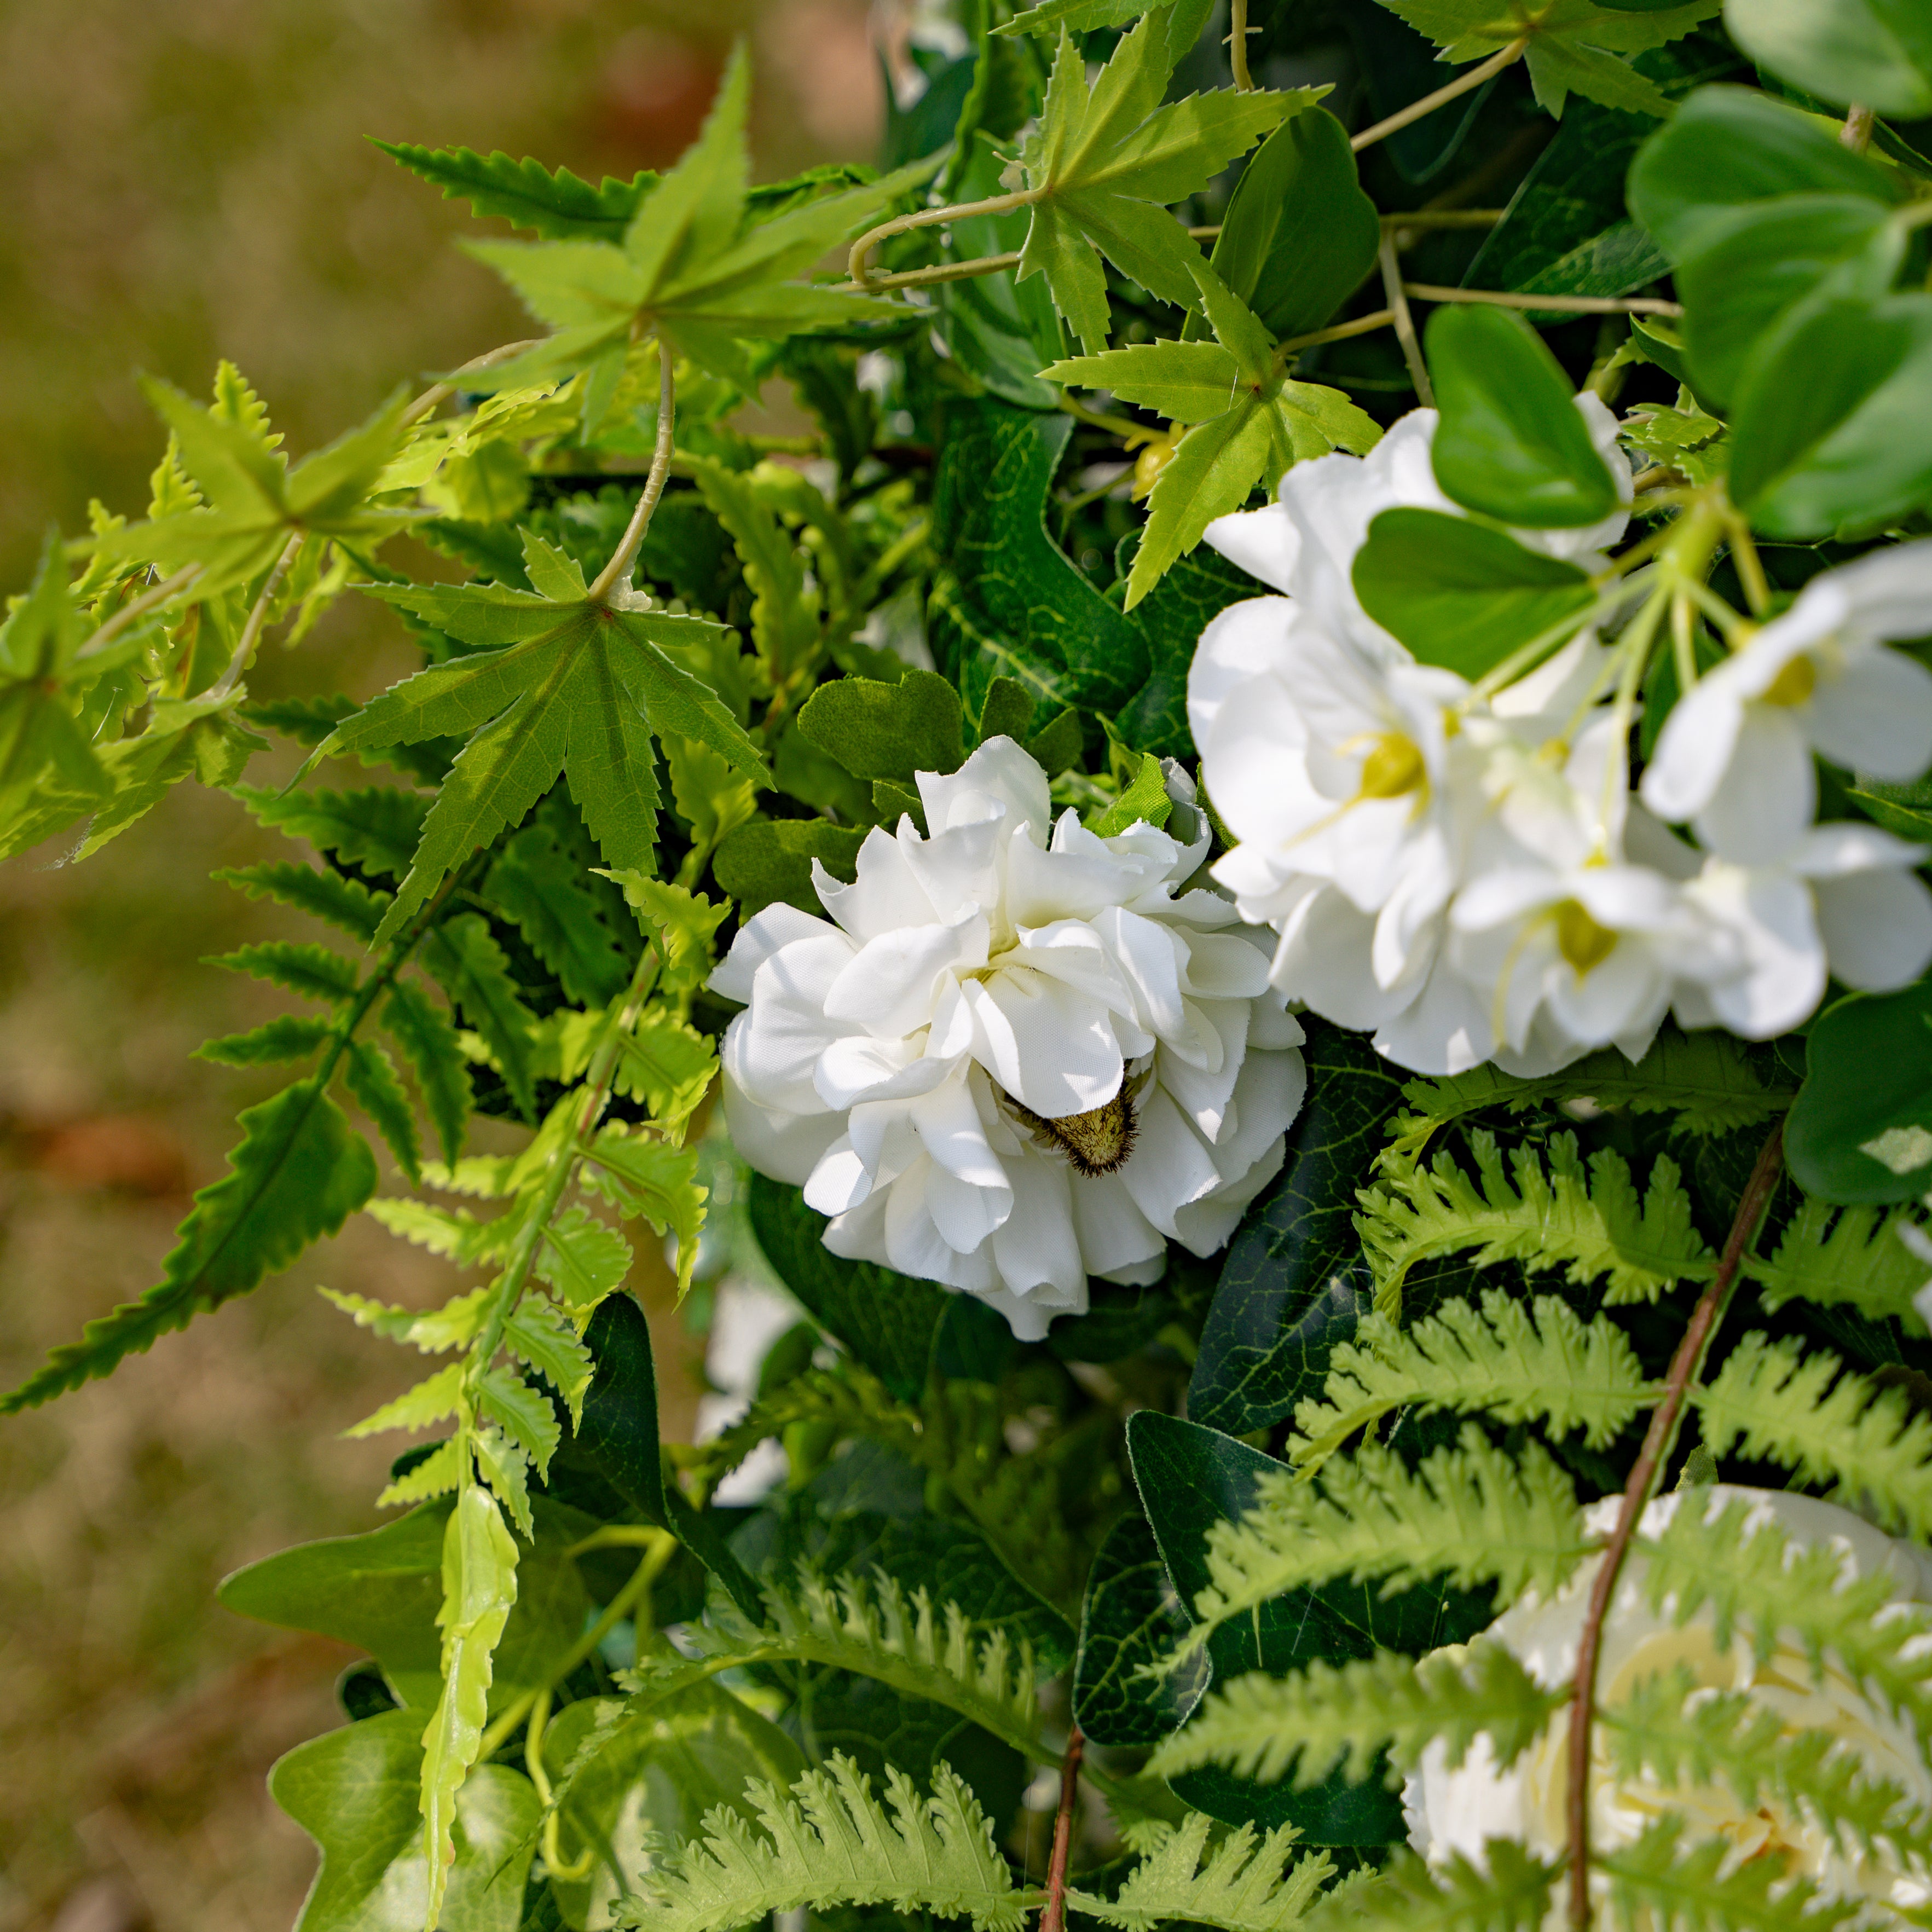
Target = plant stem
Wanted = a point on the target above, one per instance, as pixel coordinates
(1428, 104)
(1363, 325)
(435, 397)
(1237, 56)
(617, 572)
(856, 263)
(1053, 1917)
(1856, 132)
(1405, 323)
(251, 631)
(939, 272)
(1445, 217)
(139, 608)
(1576, 304)
(1656, 1444)
(1750, 565)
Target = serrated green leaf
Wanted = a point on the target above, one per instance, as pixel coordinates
(432, 1330)
(556, 204)
(641, 1174)
(311, 970)
(524, 1415)
(1186, 382)
(471, 968)
(376, 828)
(435, 1399)
(1853, 1256)
(539, 1337)
(370, 1075)
(440, 1472)
(344, 902)
(425, 1035)
(291, 1036)
(1241, 1886)
(540, 886)
(1508, 1891)
(505, 1469)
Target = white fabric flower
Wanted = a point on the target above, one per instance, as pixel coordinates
(1734, 757)
(1304, 544)
(1018, 1054)
(1449, 1811)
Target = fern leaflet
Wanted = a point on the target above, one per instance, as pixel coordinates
(1261, 1727)
(1858, 1257)
(1469, 1512)
(1508, 1892)
(1704, 1889)
(838, 1845)
(1665, 1733)
(1594, 1225)
(1242, 1887)
(1514, 1362)
(1782, 1405)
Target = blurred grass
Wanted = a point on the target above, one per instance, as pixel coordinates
(180, 182)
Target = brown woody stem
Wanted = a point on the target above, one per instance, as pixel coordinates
(1053, 1915)
(1656, 1443)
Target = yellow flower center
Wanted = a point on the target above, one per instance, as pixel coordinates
(1794, 684)
(1394, 766)
(1580, 938)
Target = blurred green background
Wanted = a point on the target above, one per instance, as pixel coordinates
(180, 181)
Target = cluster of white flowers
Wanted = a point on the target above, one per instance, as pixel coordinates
(1458, 1810)
(1470, 874)
(1018, 1054)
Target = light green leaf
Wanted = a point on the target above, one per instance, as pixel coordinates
(1242, 1887)
(539, 1337)
(434, 1400)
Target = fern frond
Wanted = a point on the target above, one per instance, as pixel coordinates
(1704, 1078)
(1704, 1889)
(1508, 1892)
(850, 1399)
(1514, 1362)
(1755, 1580)
(1468, 1512)
(1855, 1255)
(1664, 1732)
(1593, 1224)
(1261, 1727)
(1242, 1887)
(1781, 1404)
(838, 1845)
(875, 1629)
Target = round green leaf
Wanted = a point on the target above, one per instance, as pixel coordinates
(1878, 52)
(1511, 443)
(1861, 1128)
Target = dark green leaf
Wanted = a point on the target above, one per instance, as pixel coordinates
(299, 1172)
(1172, 615)
(1861, 1128)
(1906, 809)
(1511, 442)
(889, 731)
(470, 967)
(557, 206)
(1131, 1617)
(1459, 594)
(424, 1033)
(370, 1075)
(344, 902)
(1878, 52)
(376, 828)
(1008, 711)
(544, 890)
(1295, 1283)
(770, 860)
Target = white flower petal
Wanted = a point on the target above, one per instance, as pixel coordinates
(1264, 543)
(999, 779)
(1769, 791)
(1875, 716)
(1877, 928)
(1247, 639)
(758, 938)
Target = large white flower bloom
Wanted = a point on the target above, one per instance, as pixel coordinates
(1734, 757)
(1458, 1811)
(1018, 1054)
(1304, 544)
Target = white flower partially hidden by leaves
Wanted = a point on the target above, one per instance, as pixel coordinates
(1017, 1054)
(1734, 757)
(1304, 544)
(1456, 1810)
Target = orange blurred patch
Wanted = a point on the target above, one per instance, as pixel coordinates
(652, 96)
(822, 48)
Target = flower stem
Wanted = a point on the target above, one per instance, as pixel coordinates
(1237, 45)
(1363, 325)
(1428, 104)
(1576, 304)
(1053, 1916)
(139, 608)
(857, 263)
(1856, 132)
(617, 572)
(1657, 1445)
(436, 396)
(251, 631)
(1404, 322)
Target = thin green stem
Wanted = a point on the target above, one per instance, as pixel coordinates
(258, 616)
(939, 271)
(1405, 323)
(1462, 84)
(1435, 291)
(438, 394)
(1340, 331)
(857, 263)
(1737, 627)
(905, 544)
(138, 607)
(617, 572)
(1633, 649)
(1750, 565)
(1683, 640)
(1237, 46)
(1525, 657)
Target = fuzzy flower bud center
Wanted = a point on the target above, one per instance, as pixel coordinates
(1794, 684)
(1394, 767)
(1580, 938)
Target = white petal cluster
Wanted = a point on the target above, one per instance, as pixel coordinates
(1017, 1054)
(1469, 875)
(1449, 1811)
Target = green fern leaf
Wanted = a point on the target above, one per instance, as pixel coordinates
(436, 1475)
(537, 1336)
(1705, 1078)
(1593, 1226)
(370, 1075)
(424, 1033)
(300, 1171)
(838, 1845)
(560, 206)
(1468, 1512)
(342, 902)
(1261, 1727)
(1242, 1887)
(523, 1415)
(432, 1330)
(1677, 1740)
(377, 827)
(291, 1036)
(1515, 1362)
(1655, 1883)
(473, 969)
(433, 1399)
(1757, 1582)
(1851, 1255)
(313, 971)
(452, 1232)
(1781, 1405)
(1508, 1892)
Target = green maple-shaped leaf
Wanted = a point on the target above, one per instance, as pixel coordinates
(1573, 44)
(691, 266)
(253, 502)
(571, 685)
(38, 644)
(1248, 419)
(1106, 161)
